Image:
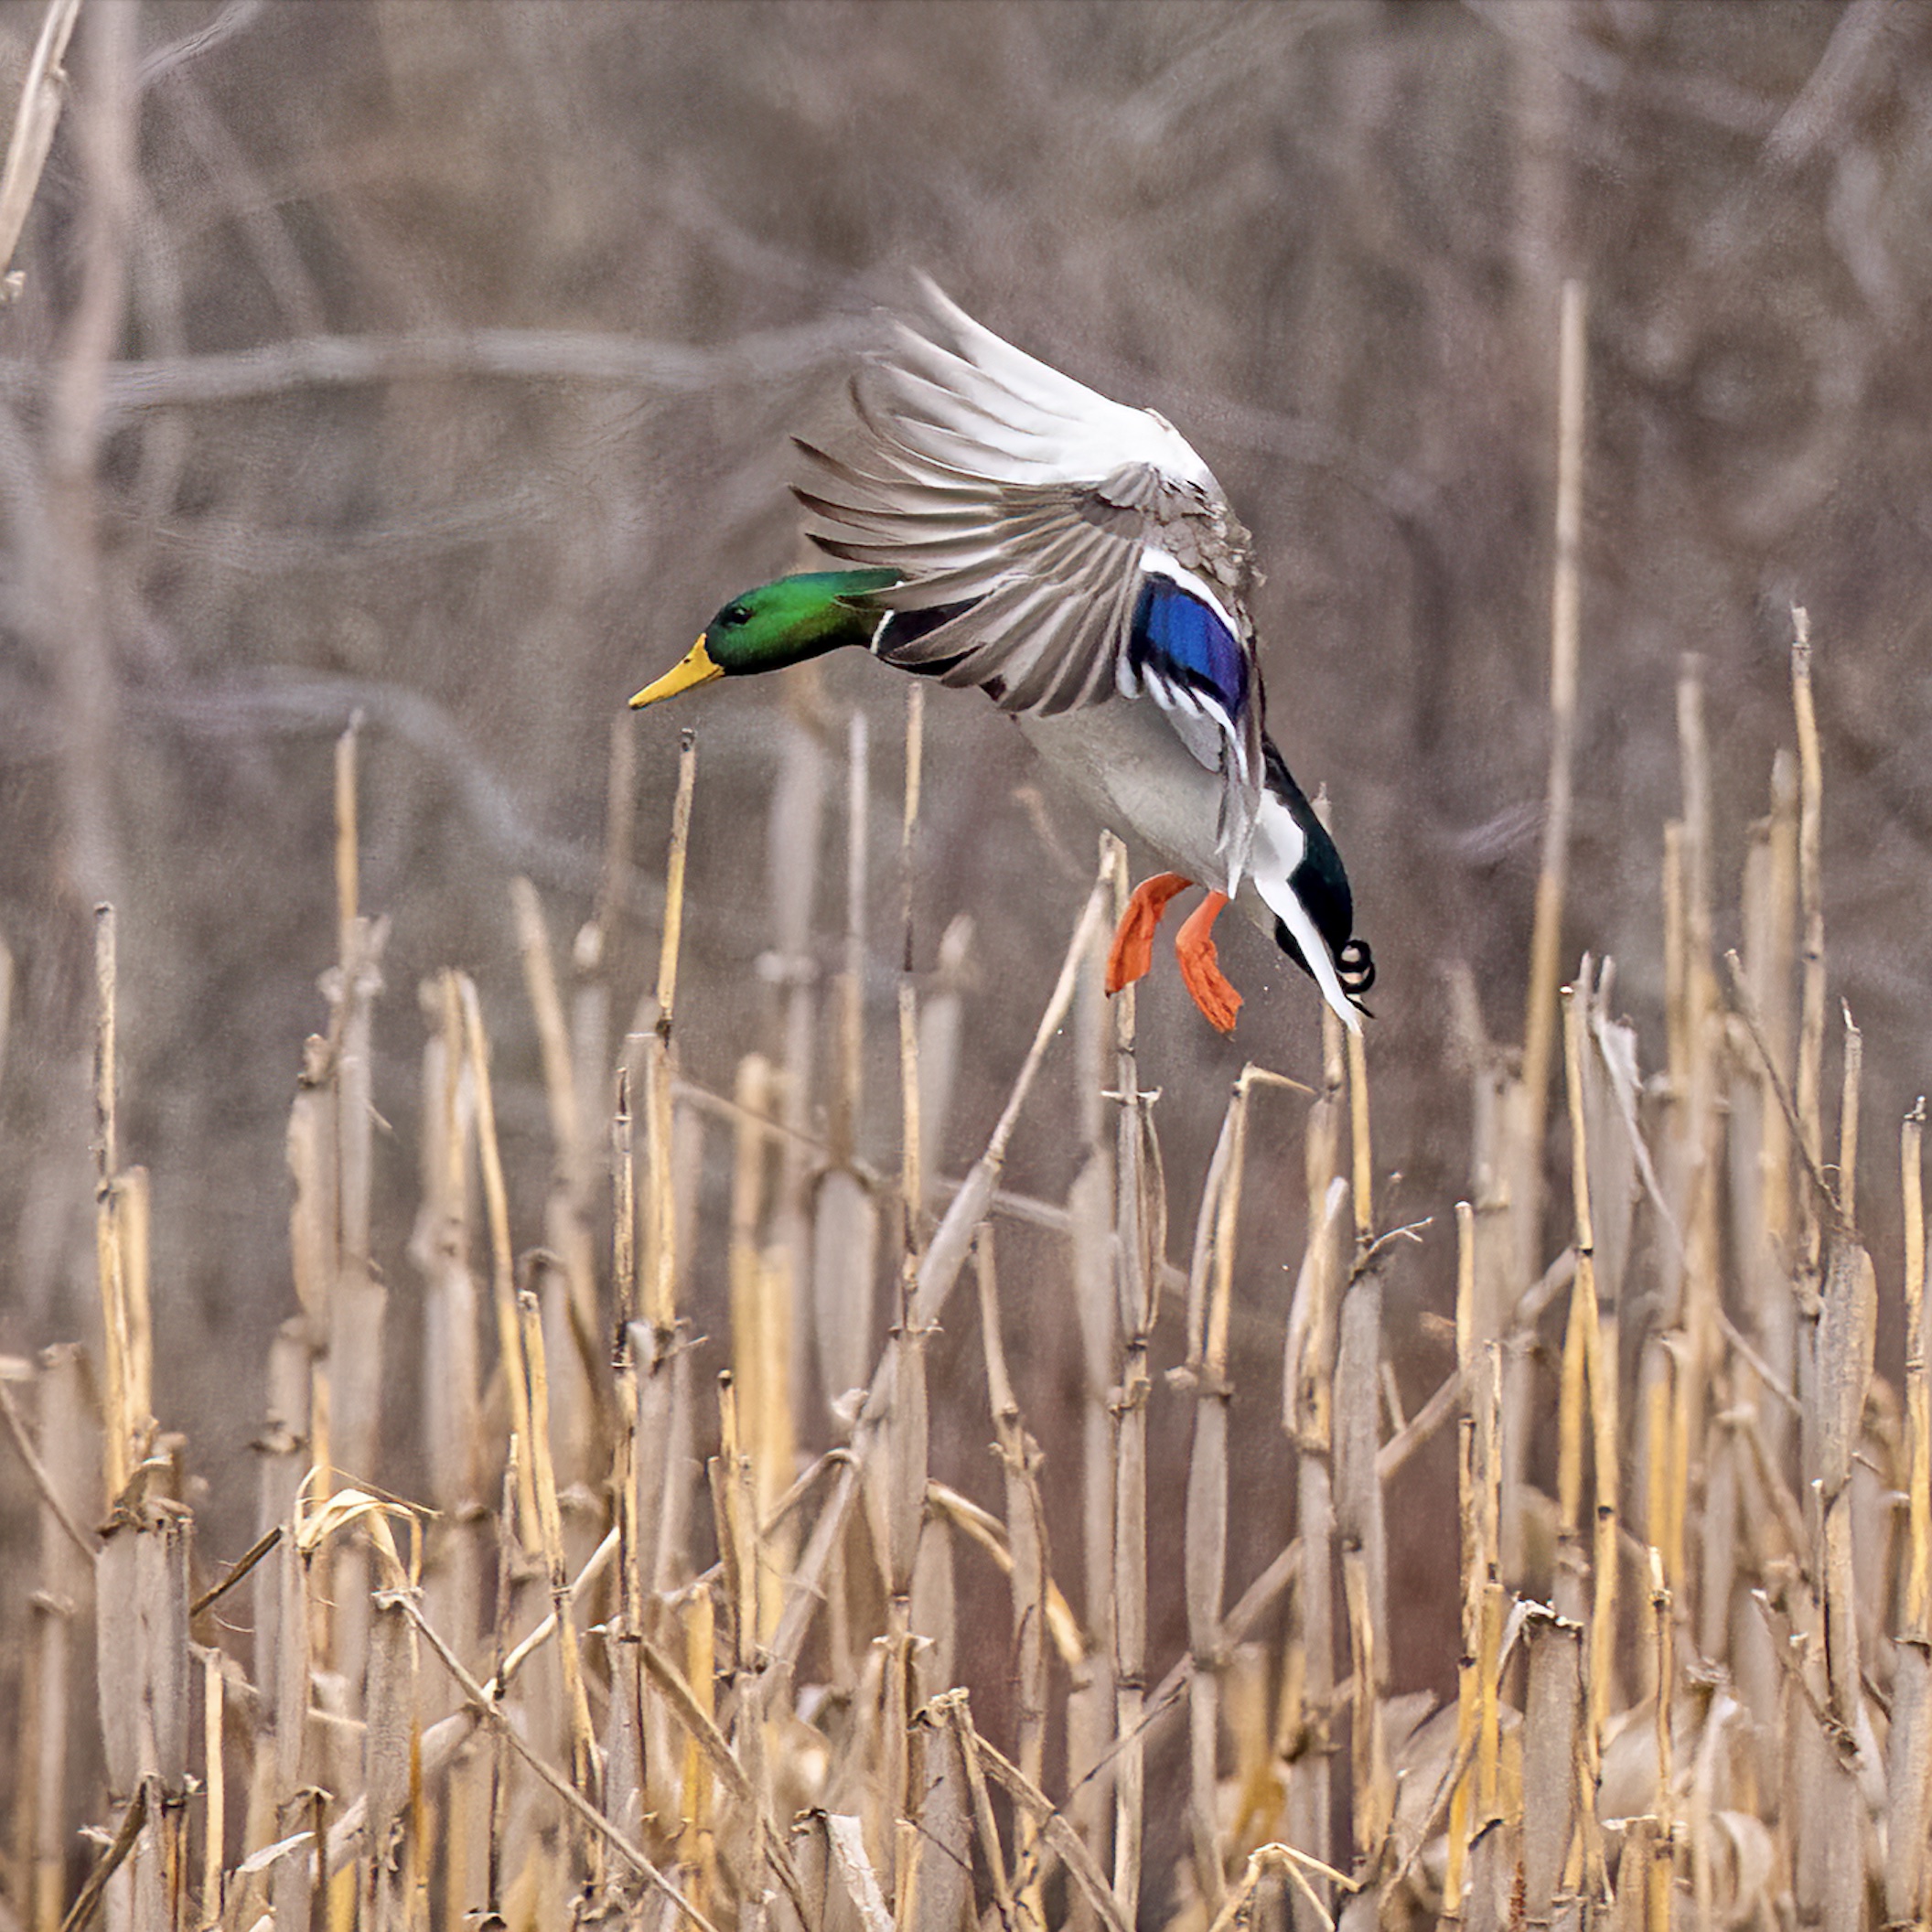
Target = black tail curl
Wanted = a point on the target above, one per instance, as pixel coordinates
(1355, 968)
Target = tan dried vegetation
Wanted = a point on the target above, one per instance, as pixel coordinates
(584, 1674)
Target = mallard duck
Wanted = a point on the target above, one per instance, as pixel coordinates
(1004, 526)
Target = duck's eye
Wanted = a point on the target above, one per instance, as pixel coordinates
(736, 614)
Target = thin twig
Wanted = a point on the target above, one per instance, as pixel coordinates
(242, 1566)
(41, 94)
(109, 1861)
(493, 1714)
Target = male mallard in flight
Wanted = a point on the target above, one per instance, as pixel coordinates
(1073, 557)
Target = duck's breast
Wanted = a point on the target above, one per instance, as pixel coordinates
(1122, 759)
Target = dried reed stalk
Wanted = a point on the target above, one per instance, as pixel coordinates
(351, 1370)
(451, 1407)
(1205, 1529)
(1589, 1372)
(117, 1397)
(69, 1450)
(624, 1736)
(1305, 1723)
(41, 95)
(846, 1216)
(568, 1227)
(1659, 1879)
(1546, 938)
(912, 1156)
(1553, 1758)
(503, 1285)
(1091, 1218)
(658, 1391)
(794, 837)
(550, 1523)
(1847, 1331)
(1909, 1772)
(662, 1370)
(1811, 1023)
(1471, 1568)
(1025, 1528)
(1134, 1293)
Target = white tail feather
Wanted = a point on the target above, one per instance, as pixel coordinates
(1279, 847)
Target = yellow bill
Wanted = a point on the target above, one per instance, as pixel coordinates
(696, 667)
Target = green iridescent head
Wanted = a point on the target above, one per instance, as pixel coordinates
(777, 624)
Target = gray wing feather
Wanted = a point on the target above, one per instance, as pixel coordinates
(988, 479)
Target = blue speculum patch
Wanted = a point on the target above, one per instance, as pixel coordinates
(1178, 637)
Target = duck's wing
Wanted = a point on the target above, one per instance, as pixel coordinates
(1084, 547)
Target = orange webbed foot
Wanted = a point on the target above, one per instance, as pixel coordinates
(1201, 965)
(1131, 952)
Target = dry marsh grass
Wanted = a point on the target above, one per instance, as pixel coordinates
(654, 1642)
(586, 1673)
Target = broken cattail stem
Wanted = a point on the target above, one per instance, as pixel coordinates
(1908, 1775)
(1597, 1362)
(509, 1544)
(117, 1464)
(1206, 1526)
(675, 880)
(42, 95)
(1457, 1845)
(350, 1377)
(1091, 1218)
(661, 1209)
(624, 1732)
(1026, 1539)
(550, 1523)
(68, 1478)
(847, 1098)
(1487, 1484)
(214, 1785)
(623, 1216)
(697, 1844)
(1579, 1336)
(132, 1217)
(1552, 1716)
(1360, 1152)
(1133, 1263)
(567, 1221)
(1811, 1023)
(1304, 1726)
(1919, 1399)
(1660, 1879)
(1694, 764)
(911, 1152)
(496, 1202)
(1546, 938)
(347, 850)
(1848, 1125)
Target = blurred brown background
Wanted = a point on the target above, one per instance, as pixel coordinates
(449, 357)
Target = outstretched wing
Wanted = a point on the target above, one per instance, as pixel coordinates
(1083, 547)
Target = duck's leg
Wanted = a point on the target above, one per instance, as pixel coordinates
(1200, 967)
(1131, 952)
